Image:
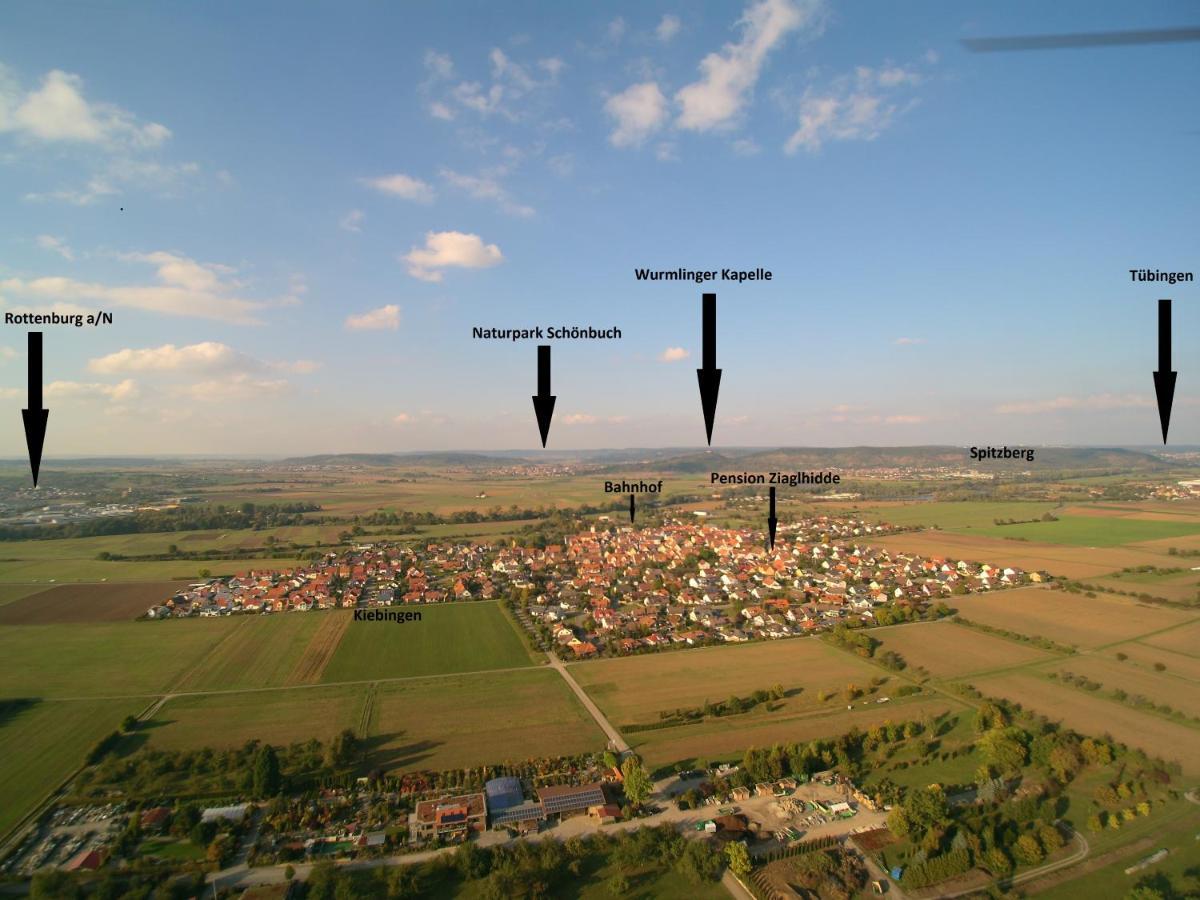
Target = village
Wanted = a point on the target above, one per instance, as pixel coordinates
(615, 591)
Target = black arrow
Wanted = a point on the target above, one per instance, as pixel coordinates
(1164, 378)
(543, 400)
(772, 522)
(632, 508)
(35, 416)
(708, 374)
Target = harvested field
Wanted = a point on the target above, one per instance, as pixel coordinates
(1180, 640)
(948, 650)
(1090, 714)
(1086, 622)
(258, 651)
(730, 737)
(637, 688)
(321, 646)
(1147, 654)
(11, 592)
(470, 720)
(1160, 687)
(87, 603)
(1061, 561)
(285, 716)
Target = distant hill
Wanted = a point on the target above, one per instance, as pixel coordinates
(391, 460)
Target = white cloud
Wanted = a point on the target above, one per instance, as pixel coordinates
(186, 288)
(1091, 403)
(118, 174)
(666, 152)
(447, 249)
(580, 419)
(352, 221)
(674, 354)
(487, 187)
(7, 353)
(240, 386)
(57, 111)
(668, 27)
(638, 111)
(905, 420)
(511, 83)
(55, 245)
(562, 165)
(77, 390)
(616, 29)
(908, 341)
(206, 356)
(383, 318)
(746, 147)
(857, 107)
(728, 77)
(401, 185)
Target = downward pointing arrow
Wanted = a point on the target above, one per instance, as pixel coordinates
(543, 400)
(34, 415)
(632, 507)
(708, 374)
(772, 522)
(1164, 378)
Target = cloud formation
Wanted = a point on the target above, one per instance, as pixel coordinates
(1091, 403)
(403, 186)
(487, 187)
(450, 249)
(385, 318)
(56, 245)
(855, 107)
(674, 354)
(728, 76)
(638, 112)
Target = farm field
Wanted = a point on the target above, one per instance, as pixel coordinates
(635, 689)
(1147, 654)
(42, 742)
(727, 738)
(1167, 687)
(277, 717)
(1180, 640)
(1061, 561)
(1087, 622)
(947, 650)
(469, 720)
(102, 659)
(256, 651)
(1091, 714)
(46, 572)
(12, 592)
(70, 603)
(451, 637)
(966, 516)
(1095, 531)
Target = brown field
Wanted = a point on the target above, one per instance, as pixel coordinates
(324, 641)
(1148, 511)
(729, 738)
(637, 688)
(1180, 640)
(11, 592)
(1060, 560)
(1176, 588)
(947, 650)
(1167, 687)
(87, 603)
(1089, 714)
(1146, 655)
(1086, 622)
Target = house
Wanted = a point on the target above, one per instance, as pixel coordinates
(450, 818)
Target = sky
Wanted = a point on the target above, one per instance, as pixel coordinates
(296, 213)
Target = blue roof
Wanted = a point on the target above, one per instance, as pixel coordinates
(503, 793)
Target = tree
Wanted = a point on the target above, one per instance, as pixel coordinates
(997, 862)
(1028, 850)
(267, 778)
(618, 885)
(289, 873)
(739, 858)
(129, 723)
(54, 885)
(637, 781)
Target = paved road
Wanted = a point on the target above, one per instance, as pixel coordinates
(614, 736)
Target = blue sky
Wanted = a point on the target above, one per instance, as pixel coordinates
(320, 201)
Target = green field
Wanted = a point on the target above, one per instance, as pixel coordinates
(276, 717)
(452, 637)
(471, 720)
(11, 592)
(43, 742)
(103, 659)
